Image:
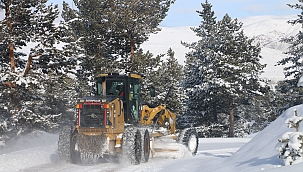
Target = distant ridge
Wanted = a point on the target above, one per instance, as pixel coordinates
(266, 30)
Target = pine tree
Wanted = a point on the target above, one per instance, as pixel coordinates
(288, 89)
(111, 31)
(290, 145)
(136, 19)
(161, 75)
(287, 95)
(294, 53)
(241, 69)
(198, 62)
(227, 65)
(87, 31)
(168, 77)
(146, 64)
(30, 24)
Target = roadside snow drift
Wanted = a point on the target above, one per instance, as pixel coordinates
(260, 152)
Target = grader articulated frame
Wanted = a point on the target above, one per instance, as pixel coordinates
(114, 122)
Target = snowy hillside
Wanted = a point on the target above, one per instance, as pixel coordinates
(267, 30)
(38, 152)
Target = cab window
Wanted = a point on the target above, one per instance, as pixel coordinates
(115, 87)
(134, 90)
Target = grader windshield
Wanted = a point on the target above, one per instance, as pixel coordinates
(113, 87)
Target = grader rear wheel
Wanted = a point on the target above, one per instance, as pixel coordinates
(131, 145)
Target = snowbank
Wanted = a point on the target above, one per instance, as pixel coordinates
(260, 152)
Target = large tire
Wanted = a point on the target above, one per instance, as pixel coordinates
(145, 146)
(189, 138)
(75, 155)
(64, 144)
(91, 147)
(131, 145)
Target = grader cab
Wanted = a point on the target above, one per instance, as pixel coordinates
(114, 122)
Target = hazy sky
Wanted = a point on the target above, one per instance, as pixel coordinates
(183, 12)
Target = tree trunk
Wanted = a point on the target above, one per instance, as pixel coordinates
(11, 44)
(28, 65)
(11, 56)
(132, 51)
(231, 119)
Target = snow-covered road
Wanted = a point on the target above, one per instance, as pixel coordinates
(40, 154)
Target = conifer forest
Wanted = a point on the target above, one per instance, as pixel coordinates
(46, 65)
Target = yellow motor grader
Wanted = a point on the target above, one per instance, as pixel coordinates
(115, 122)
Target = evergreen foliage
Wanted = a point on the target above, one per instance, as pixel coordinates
(290, 145)
(161, 75)
(106, 36)
(294, 53)
(255, 114)
(222, 69)
(111, 31)
(288, 92)
(287, 95)
(29, 96)
(168, 77)
(146, 65)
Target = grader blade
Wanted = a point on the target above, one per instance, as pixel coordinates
(168, 148)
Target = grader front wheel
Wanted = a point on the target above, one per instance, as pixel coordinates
(64, 143)
(145, 146)
(189, 138)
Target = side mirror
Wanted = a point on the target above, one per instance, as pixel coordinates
(152, 91)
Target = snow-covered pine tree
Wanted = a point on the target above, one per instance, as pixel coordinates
(146, 65)
(288, 91)
(169, 75)
(254, 114)
(161, 75)
(290, 145)
(111, 31)
(29, 24)
(241, 68)
(226, 68)
(294, 53)
(287, 94)
(134, 21)
(87, 30)
(199, 62)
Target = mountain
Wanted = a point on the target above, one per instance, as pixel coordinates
(266, 30)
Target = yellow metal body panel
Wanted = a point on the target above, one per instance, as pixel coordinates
(116, 118)
(132, 75)
(167, 119)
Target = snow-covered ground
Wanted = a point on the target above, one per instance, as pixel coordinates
(38, 152)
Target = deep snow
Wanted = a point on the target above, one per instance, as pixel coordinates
(38, 152)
